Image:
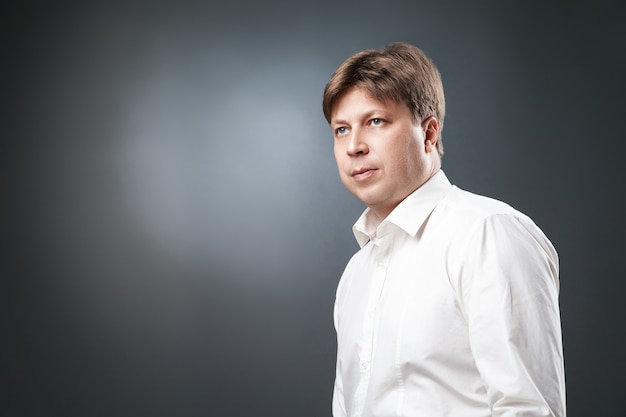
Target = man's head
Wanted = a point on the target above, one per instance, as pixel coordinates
(401, 73)
(386, 109)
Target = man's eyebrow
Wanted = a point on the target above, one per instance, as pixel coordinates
(338, 122)
(364, 116)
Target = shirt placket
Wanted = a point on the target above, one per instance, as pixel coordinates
(380, 263)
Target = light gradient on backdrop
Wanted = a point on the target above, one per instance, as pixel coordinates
(174, 225)
(241, 155)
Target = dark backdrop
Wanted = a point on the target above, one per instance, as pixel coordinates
(173, 226)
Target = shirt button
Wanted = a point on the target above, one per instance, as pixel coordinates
(365, 365)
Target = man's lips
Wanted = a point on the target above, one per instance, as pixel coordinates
(361, 174)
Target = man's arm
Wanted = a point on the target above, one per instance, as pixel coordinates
(510, 286)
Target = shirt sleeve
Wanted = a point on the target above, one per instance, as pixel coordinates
(338, 404)
(338, 407)
(510, 300)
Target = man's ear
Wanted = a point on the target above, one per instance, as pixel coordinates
(431, 133)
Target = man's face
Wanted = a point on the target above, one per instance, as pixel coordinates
(381, 153)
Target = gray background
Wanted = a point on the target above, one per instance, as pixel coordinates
(173, 226)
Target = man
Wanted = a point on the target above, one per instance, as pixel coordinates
(450, 307)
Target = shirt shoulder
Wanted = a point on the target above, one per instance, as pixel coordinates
(475, 206)
(467, 220)
(463, 215)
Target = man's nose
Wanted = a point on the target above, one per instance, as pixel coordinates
(357, 144)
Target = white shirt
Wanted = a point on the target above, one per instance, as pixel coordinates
(450, 308)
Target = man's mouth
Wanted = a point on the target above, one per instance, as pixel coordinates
(362, 174)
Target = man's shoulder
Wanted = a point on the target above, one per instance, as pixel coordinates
(468, 206)
(461, 214)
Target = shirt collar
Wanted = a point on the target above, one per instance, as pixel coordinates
(409, 215)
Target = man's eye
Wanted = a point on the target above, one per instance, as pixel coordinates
(341, 131)
(376, 122)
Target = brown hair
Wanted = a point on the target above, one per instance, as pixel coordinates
(400, 72)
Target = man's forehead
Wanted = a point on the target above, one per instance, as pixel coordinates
(358, 100)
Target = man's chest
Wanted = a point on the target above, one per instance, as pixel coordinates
(399, 301)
